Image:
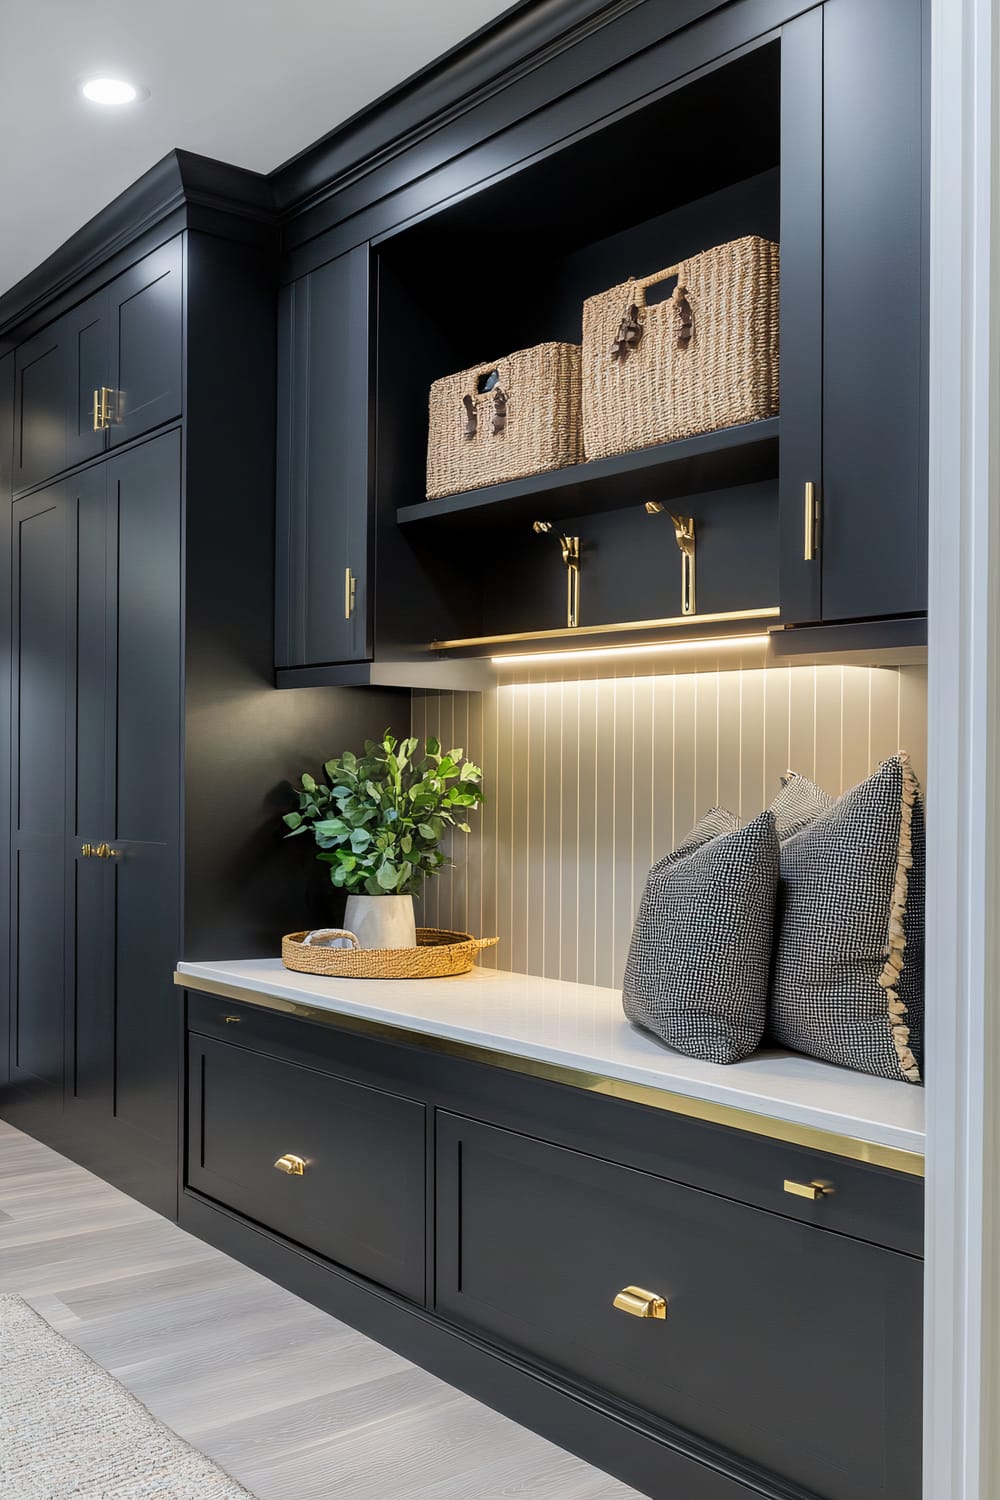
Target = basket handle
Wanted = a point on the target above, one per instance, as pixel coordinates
(482, 943)
(317, 938)
(630, 329)
(642, 282)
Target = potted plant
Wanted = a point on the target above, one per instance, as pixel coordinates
(379, 820)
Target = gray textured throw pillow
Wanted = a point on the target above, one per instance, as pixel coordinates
(797, 804)
(848, 972)
(698, 964)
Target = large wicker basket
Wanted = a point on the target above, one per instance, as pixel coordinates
(705, 358)
(437, 954)
(514, 417)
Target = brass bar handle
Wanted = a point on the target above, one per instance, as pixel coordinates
(811, 1190)
(105, 851)
(811, 521)
(292, 1165)
(98, 424)
(107, 405)
(88, 851)
(640, 1303)
(350, 593)
(232, 1020)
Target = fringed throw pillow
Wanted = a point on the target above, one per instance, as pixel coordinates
(848, 972)
(698, 965)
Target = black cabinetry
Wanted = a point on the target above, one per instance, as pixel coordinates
(787, 1321)
(149, 754)
(806, 128)
(106, 372)
(324, 475)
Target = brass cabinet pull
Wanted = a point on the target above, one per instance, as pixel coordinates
(350, 593)
(811, 1190)
(105, 851)
(232, 1020)
(640, 1303)
(811, 504)
(293, 1165)
(87, 850)
(104, 408)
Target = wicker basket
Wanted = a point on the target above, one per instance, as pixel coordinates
(517, 416)
(706, 358)
(437, 954)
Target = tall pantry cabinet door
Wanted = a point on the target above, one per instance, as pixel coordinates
(323, 466)
(42, 573)
(146, 749)
(90, 793)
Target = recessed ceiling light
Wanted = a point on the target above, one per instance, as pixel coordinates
(110, 91)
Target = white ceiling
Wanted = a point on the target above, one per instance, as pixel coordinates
(251, 82)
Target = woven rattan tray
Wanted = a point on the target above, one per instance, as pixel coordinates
(438, 953)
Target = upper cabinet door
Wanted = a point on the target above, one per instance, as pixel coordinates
(801, 449)
(874, 522)
(146, 309)
(86, 334)
(323, 466)
(41, 399)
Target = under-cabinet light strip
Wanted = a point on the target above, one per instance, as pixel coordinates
(595, 653)
(578, 632)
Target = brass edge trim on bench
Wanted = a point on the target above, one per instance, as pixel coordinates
(584, 632)
(893, 1158)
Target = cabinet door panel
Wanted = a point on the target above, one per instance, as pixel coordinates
(41, 685)
(874, 402)
(360, 1200)
(145, 520)
(147, 308)
(41, 377)
(89, 1057)
(88, 356)
(778, 1338)
(801, 307)
(323, 465)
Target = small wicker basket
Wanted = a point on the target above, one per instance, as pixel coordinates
(437, 954)
(706, 358)
(517, 416)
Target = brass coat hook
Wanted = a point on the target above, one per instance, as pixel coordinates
(684, 532)
(570, 548)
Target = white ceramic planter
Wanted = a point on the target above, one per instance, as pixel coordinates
(381, 921)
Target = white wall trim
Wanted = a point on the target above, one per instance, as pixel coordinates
(962, 1421)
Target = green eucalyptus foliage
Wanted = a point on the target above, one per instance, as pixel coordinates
(380, 817)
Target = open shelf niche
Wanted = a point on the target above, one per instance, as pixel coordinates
(509, 267)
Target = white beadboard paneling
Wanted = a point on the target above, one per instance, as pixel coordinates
(588, 782)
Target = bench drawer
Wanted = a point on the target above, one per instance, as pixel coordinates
(794, 1347)
(356, 1191)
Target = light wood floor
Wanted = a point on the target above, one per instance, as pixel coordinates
(294, 1404)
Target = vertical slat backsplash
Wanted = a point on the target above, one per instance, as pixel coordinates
(587, 783)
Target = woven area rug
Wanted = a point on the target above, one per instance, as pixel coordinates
(68, 1428)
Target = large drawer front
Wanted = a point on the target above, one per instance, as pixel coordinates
(796, 1348)
(361, 1197)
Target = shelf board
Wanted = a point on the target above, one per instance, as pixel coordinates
(689, 466)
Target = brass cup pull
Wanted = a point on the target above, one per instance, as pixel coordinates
(640, 1303)
(293, 1165)
(811, 1190)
